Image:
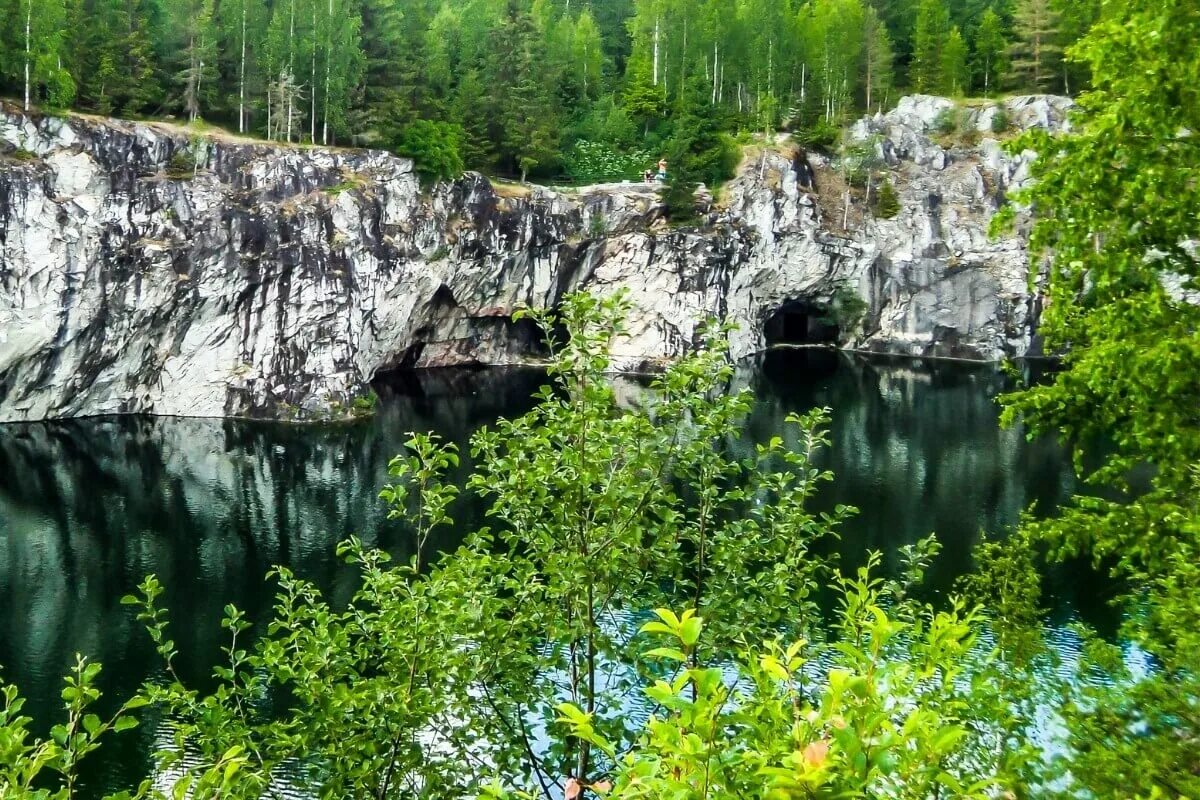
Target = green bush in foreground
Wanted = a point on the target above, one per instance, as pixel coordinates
(884, 719)
(1115, 207)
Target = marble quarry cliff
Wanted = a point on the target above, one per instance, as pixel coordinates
(147, 270)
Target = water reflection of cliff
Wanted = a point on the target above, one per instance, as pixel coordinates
(916, 447)
(87, 508)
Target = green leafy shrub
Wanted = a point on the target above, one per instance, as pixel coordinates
(182, 164)
(349, 184)
(597, 227)
(890, 719)
(434, 147)
(999, 120)
(364, 405)
(822, 136)
(846, 309)
(948, 120)
(1120, 185)
(596, 162)
(858, 161)
(47, 769)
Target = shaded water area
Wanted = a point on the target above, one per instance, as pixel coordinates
(88, 507)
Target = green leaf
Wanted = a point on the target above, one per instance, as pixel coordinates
(124, 724)
(667, 652)
(689, 631)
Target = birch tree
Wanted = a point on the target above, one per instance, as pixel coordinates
(990, 47)
(836, 29)
(878, 73)
(240, 23)
(41, 37)
(284, 92)
(586, 53)
(344, 64)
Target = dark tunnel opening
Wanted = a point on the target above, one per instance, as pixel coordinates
(800, 322)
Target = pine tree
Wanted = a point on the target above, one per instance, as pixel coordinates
(1036, 52)
(931, 30)
(955, 74)
(94, 51)
(642, 99)
(195, 44)
(471, 109)
(990, 49)
(899, 17)
(390, 46)
(887, 204)
(528, 115)
(441, 49)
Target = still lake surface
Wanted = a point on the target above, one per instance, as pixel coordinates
(89, 507)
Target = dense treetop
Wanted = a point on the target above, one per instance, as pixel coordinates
(513, 86)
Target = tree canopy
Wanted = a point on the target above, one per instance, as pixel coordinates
(521, 79)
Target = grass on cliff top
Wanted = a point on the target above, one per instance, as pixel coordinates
(513, 190)
(350, 182)
(202, 128)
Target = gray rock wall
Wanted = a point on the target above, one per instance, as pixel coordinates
(274, 281)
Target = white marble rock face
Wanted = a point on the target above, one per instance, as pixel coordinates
(278, 281)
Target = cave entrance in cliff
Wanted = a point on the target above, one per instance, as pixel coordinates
(801, 322)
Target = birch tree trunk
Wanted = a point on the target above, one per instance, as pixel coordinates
(771, 68)
(870, 64)
(683, 59)
(291, 73)
(199, 81)
(189, 92)
(328, 60)
(312, 81)
(715, 73)
(655, 50)
(28, 47)
(242, 77)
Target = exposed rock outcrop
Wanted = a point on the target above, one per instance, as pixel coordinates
(146, 270)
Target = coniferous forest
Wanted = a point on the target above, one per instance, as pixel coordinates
(583, 88)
